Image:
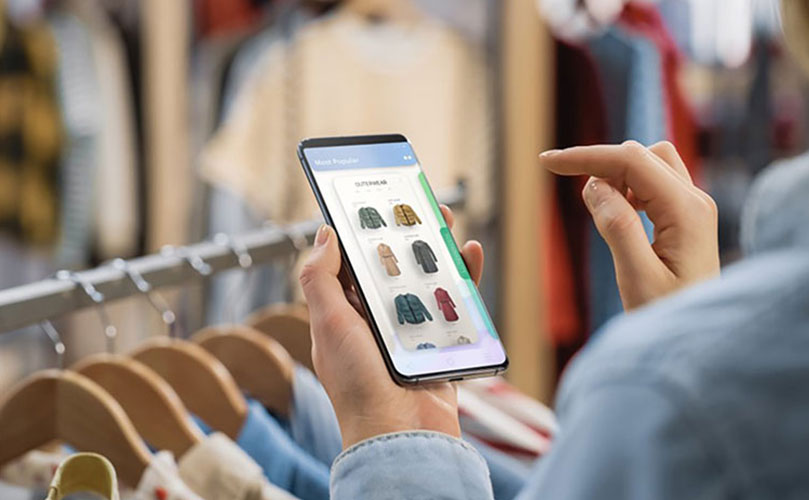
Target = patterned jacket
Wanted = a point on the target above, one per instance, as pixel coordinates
(370, 218)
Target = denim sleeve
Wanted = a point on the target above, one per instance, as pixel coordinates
(630, 440)
(412, 465)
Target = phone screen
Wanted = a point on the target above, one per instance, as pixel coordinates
(416, 286)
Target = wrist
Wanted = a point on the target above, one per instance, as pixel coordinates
(356, 428)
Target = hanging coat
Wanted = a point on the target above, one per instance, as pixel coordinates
(445, 304)
(410, 309)
(388, 260)
(405, 215)
(370, 218)
(425, 256)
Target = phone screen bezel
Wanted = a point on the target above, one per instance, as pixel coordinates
(446, 375)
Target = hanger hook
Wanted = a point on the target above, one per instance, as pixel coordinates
(236, 246)
(245, 262)
(156, 300)
(196, 262)
(110, 332)
(58, 345)
(297, 238)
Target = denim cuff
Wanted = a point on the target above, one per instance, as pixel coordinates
(416, 464)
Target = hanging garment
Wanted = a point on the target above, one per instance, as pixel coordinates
(370, 218)
(632, 75)
(387, 77)
(388, 260)
(313, 423)
(30, 134)
(282, 461)
(505, 397)
(410, 309)
(160, 481)
(499, 430)
(81, 113)
(425, 256)
(217, 469)
(446, 305)
(647, 21)
(84, 473)
(116, 208)
(405, 215)
(580, 120)
(34, 470)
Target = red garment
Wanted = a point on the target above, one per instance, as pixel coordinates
(214, 17)
(646, 20)
(445, 304)
(580, 120)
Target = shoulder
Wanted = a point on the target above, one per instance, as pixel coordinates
(724, 355)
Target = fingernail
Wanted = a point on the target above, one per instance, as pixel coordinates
(597, 192)
(549, 153)
(322, 235)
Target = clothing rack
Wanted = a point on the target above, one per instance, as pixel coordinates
(29, 304)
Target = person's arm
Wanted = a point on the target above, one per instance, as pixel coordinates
(406, 465)
(369, 404)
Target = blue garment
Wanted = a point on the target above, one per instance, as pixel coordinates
(701, 395)
(313, 424)
(508, 475)
(284, 463)
(631, 72)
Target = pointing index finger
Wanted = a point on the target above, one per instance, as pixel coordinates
(629, 164)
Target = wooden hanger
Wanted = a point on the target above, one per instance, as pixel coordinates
(200, 380)
(149, 401)
(260, 365)
(289, 325)
(63, 405)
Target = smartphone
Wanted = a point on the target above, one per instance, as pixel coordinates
(425, 311)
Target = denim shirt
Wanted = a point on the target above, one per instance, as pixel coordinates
(700, 395)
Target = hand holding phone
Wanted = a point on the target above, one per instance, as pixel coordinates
(411, 282)
(367, 401)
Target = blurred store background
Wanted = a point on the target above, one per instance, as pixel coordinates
(127, 125)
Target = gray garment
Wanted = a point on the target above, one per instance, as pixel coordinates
(776, 214)
(701, 395)
(79, 99)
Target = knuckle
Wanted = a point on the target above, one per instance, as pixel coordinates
(635, 151)
(700, 204)
(332, 320)
(616, 222)
(633, 146)
(667, 145)
(709, 204)
(309, 274)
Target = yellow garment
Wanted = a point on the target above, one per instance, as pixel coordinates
(340, 76)
(405, 215)
(84, 472)
(30, 133)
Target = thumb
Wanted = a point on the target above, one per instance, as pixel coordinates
(620, 226)
(321, 285)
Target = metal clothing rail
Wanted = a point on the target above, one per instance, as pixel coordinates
(29, 304)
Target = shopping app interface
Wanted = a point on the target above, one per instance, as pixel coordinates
(425, 304)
